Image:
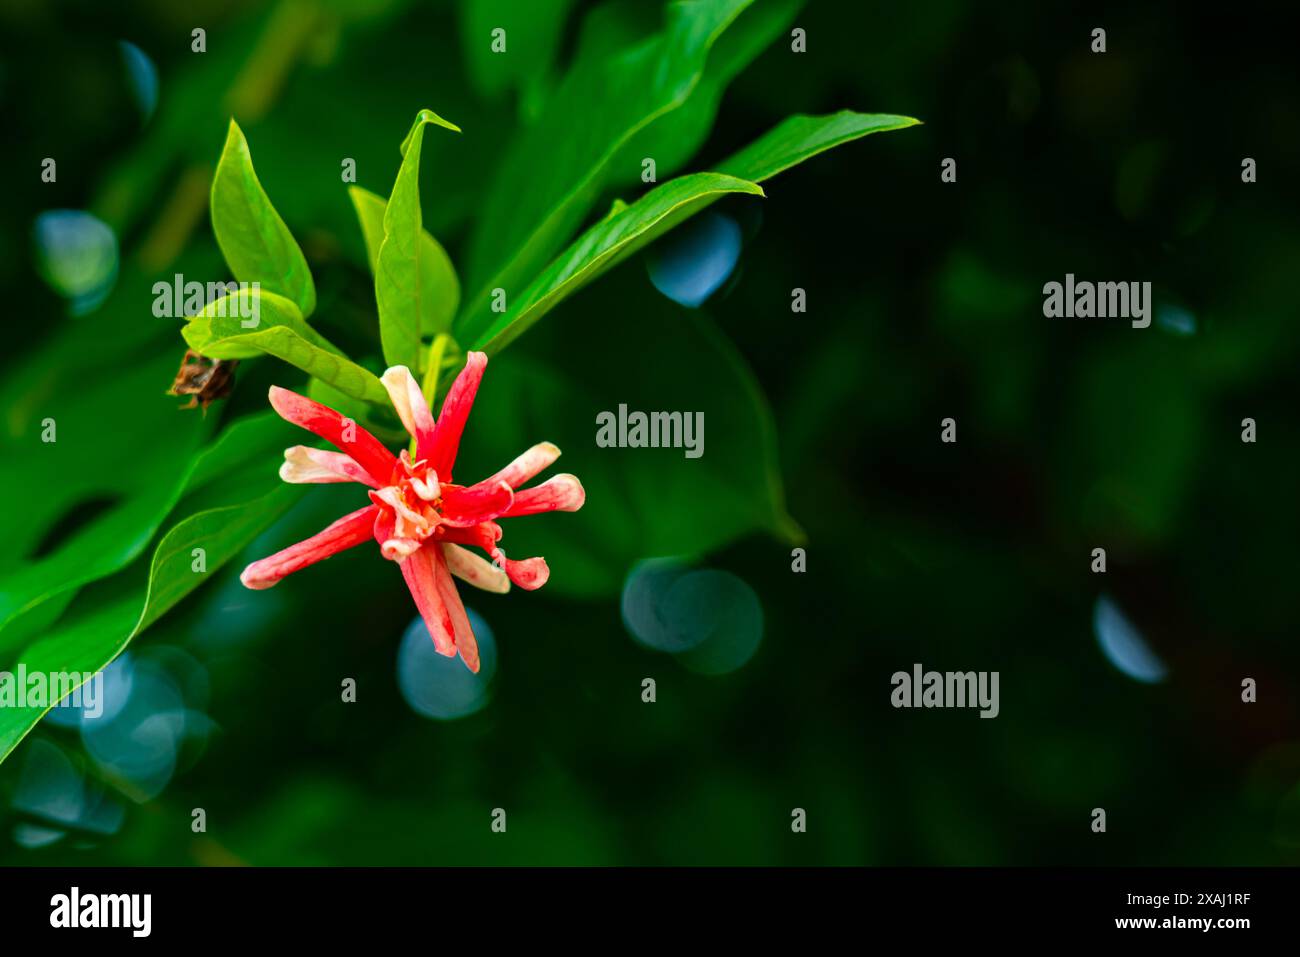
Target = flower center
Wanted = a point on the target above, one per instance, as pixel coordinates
(414, 496)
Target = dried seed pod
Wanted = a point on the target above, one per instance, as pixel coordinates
(204, 380)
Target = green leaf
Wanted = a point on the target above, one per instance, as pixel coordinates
(557, 168)
(798, 138)
(254, 239)
(93, 498)
(72, 647)
(677, 135)
(245, 444)
(248, 323)
(105, 546)
(641, 502)
(221, 532)
(626, 229)
(615, 237)
(101, 624)
(439, 287)
(400, 274)
(87, 641)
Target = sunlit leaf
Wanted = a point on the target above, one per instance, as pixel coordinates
(249, 323)
(798, 138)
(92, 499)
(88, 640)
(401, 273)
(254, 239)
(439, 287)
(625, 230)
(101, 624)
(615, 237)
(673, 138)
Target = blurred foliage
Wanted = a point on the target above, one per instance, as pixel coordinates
(924, 302)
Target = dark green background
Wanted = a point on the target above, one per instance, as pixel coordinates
(924, 302)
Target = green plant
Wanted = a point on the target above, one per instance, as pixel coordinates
(176, 492)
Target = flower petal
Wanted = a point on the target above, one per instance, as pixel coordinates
(395, 549)
(409, 402)
(390, 545)
(348, 531)
(307, 465)
(475, 569)
(466, 507)
(428, 491)
(560, 493)
(530, 463)
(441, 447)
(418, 570)
(465, 641)
(529, 574)
(343, 433)
(484, 536)
(405, 518)
(434, 591)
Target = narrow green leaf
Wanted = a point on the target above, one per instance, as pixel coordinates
(72, 647)
(801, 137)
(93, 499)
(104, 547)
(439, 288)
(605, 244)
(250, 323)
(254, 239)
(400, 278)
(548, 182)
(221, 533)
(625, 230)
(89, 640)
(230, 512)
(676, 136)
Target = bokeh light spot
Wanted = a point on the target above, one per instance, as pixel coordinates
(142, 76)
(644, 605)
(137, 741)
(114, 687)
(711, 618)
(692, 263)
(727, 612)
(32, 836)
(1123, 645)
(76, 254)
(49, 785)
(1175, 320)
(439, 687)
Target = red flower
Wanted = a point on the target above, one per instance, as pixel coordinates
(420, 518)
